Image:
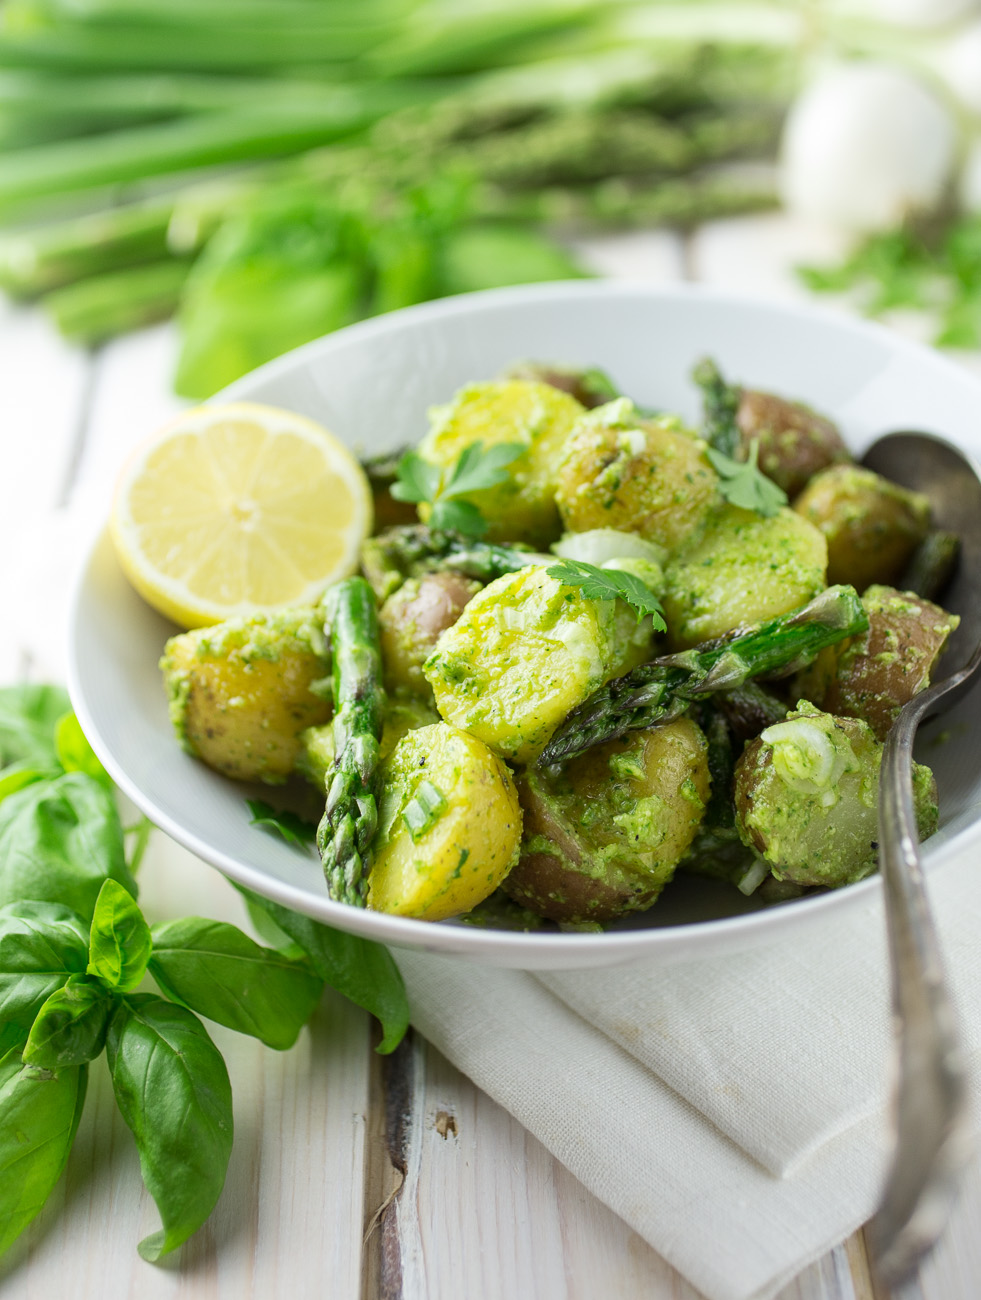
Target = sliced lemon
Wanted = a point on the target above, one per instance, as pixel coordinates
(235, 509)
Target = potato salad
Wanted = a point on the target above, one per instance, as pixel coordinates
(587, 647)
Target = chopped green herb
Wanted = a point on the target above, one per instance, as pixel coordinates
(423, 810)
(474, 470)
(743, 484)
(610, 584)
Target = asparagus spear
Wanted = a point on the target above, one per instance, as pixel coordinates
(721, 402)
(400, 553)
(345, 833)
(660, 691)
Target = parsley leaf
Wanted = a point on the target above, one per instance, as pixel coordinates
(293, 829)
(474, 470)
(743, 484)
(610, 584)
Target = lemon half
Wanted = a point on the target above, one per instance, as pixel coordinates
(236, 509)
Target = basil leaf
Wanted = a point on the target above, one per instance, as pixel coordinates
(75, 754)
(221, 973)
(15, 776)
(12, 1038)
(70, 1028)
(293, 829)
(28, 715)
(41, 945)
(362, 971)
(39, 1114)
(172, 1090)
(59, 840)
(120, 943)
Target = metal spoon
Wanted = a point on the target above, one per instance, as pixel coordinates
(933, 1139)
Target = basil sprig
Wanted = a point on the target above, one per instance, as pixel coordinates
(75, 953)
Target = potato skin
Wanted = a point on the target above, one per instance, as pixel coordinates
(522, 508)
(638, 475)
(604, 837)
(872, 676)
(872, 525)
(741, 569)
(412, 620)
(524, 653)
(795, 442)
(240, 693)
(467, 850)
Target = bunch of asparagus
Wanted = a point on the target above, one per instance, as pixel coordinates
(277, 169)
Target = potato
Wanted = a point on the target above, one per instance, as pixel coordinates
(403, 714)
(524, 653)
(741, 569)
(411, 621)
(449, 824)
(604, 837)
(589, 386)
(872, 676)
(522, 508)
(646, 476)
(807, 794)
(241, 692)
(872, 526)
(795, 442)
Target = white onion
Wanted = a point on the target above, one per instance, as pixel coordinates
(960, 64)
(864, 146)
(969, 190)
(600, 545)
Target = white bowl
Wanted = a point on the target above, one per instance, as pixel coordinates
(371, 384)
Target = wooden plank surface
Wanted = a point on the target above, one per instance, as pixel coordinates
(330, 1139)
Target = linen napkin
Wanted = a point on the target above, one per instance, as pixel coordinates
(732, 1110)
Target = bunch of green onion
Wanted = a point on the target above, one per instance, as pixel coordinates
(274, 169)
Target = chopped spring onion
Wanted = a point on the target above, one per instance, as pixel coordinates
(423, 809)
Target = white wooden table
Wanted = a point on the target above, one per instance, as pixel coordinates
(352, 1175)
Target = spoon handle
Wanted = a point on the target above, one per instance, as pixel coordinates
(932, 1133)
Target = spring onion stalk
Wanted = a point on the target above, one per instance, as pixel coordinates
(96, 309)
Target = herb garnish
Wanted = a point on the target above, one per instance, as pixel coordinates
(74, 950)
(744, 484)
(475, 469)
(292, 828)
(610, 584)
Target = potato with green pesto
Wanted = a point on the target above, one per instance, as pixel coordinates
(412, 620)
(795, 442)
(742, 568)
(509, 411)
(807, 792)
(241, 692)
(522, 655)
(449, 825)
(403, 713)
(872, 676)
(872, 525)
(639, 475)
(604, 835)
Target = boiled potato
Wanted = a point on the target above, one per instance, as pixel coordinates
(872, 676)
(403, 713)
(872, 526)
(241, 692)
(524, 653)
(522, 508)
(742, 568)
(411, 621)
(604, 836)
(807, 793)
(449, 824)
(646, 476)
(795, 442)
